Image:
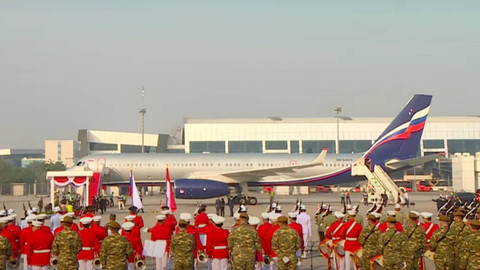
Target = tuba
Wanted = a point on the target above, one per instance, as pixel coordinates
(96, 262)
(13, 264)
(267, 261)
(54, 261)
(202, 257)
(139, 263)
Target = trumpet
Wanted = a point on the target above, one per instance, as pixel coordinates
(202, 257)
(139, 263)
(96, 262)
(267, 260)
(54, 261)
(13, 264)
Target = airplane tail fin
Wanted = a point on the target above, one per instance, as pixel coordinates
(401, 139)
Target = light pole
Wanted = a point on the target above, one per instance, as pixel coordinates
(338, 110)
(143, 111)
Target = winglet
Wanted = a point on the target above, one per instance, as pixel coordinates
(321, 157)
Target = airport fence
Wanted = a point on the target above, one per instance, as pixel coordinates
(22, 189)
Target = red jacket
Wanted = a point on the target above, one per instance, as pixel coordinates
(352, 232)
(262, 231)
(430, 228)
(384, 226)
(217, 244)
(137, 246)
(201, 218)
(160, 232)
(9, 235)
(89, 244)
(170, 222)
(135, 231)
(297, 227)
(24, 239)
(269, 238)
(334, 229)
(193, 231)
(16, 232)
(138, 222)
(39, 248)
(205, 230)
(59, 229)
(100, 232)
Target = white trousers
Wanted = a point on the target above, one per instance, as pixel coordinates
(85, 264)
(339, 262)
(161, 263)
(131, 266)
(121, 205)
(349, 262)
(219, 264)
(306, 238)
(25, 264)
(43, 267)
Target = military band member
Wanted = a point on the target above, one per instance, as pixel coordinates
(442, 244)
(285, 243)
(461, 232)
(392, 246)
(297, 227)
(328, 220)
(115, 250)
(304, 219)
(400, 216)
(99, 231)
(217, 245)
(470, 259)
(336, 233)
(320, 218)
(89, 245)
(5, 250)
(66, 246)
(398, 226)
(39, 247)
(358, 217)
(369, 240)
(243, 243)
(262, 231)
(136, 243)
(428, 226)
(416, 241)
(352, 232)
(182, 247)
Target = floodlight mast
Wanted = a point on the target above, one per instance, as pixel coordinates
(143, 111)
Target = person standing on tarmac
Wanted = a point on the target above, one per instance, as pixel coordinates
(285, 243)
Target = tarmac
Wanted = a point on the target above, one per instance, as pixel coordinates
(422, 200)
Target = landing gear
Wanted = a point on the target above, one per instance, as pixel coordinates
(252, 201)
(246, 200)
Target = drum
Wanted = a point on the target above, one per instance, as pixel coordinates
(377, 262)
(356, 257)
(428, 262)
(339, 248)
(324, 249)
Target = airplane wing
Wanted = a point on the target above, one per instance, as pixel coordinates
(257, 174)
(396, 164)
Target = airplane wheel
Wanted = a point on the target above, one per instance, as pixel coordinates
(252, 200)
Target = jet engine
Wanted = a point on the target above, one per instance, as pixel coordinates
(199, 188)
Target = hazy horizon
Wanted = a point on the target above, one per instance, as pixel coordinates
(81, 65)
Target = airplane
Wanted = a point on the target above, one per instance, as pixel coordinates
(208, 175)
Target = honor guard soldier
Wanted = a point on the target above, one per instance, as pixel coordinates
(26, 232)
(135, 230)
(161, 232)
(320, 219)
(201, 219)
(39, 247)
(138, 220)
(352, 232)
(416, 241)
(336, 233)
(358, 217)
(182, 247)
(217, 245)
(369, 240)
(243, 242)
(328, 220)
(170, 220)
(55, 219)
(285, 243)
(442, 244)
(470, 258)
(297, 227)
(16, 232)
(66, 246)
(5, 249)
(115, 250)
(89, 245)
(461, 231)
(304, 219)
(428, 226)
(392, 246)
(99, 231)
(262, 231)
(400, 216)
(136, 243)
(274, 219)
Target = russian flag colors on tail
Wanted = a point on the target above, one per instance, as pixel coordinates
(133, 192)
(170, 198)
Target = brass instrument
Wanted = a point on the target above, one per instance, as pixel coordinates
(13, 264)
(267, 260)
(96, 261)
(54, 261)
(139, 263)
(202, 257)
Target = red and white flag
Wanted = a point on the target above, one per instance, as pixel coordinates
(133, 192)
(170, 197)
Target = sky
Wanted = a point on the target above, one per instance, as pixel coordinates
(70, 65)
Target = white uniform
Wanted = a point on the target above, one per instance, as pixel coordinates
(304, 219)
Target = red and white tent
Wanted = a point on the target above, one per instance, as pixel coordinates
(61, 179)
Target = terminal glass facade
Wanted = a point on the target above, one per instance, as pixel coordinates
(348, 147)
(433, 144)
(317, 146)
(209, 146)
(245, 147)
(276, 145)
(103, 146)
(294, 147)
(463, 146)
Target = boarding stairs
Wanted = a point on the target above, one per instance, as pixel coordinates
(378, 182)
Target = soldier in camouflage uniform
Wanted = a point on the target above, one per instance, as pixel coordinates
(416, 241)
(243, 243)
(442, 244)
(115, 249)
(460, 233)
(285, 243)
(328, 220)
(5, 250)
(369, 240)
(400, 216)
(470, 259)
(182, 247)
(320, 219)
(66, 246)
(391, 246)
